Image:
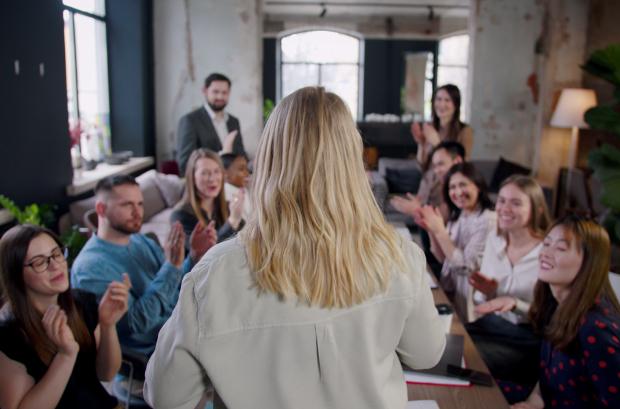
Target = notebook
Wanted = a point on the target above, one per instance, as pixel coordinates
(438, 375)
(422, 404)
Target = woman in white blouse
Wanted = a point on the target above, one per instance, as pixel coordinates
(505, 283)
(460, 244)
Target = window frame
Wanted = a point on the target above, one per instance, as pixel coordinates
(103, 19)
(360, 62)
(465, 102)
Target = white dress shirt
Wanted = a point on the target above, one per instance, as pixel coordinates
(219, 120)
(260, 350)
(516, 281)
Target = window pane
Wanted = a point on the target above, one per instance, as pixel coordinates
(295, 76)
(454, 50)
(92, 70)
(458, 77)
(90, 6)
(70, 69)
(342, 80)
(320, 47)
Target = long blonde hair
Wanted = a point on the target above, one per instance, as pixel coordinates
(317, 232)
(192, 196)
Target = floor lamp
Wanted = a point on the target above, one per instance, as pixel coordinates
(569, 112)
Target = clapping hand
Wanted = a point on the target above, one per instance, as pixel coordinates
(58, 331)
(113, 304)
(236, 208)
(229, 142)
(174, 248)
(499, 304)
(406, 205)
(431, 219)
(431, 135)
(416, 132)
(202, 239)
(482, 283)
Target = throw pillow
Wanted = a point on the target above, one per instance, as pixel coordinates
(505, 169)
(403, 180)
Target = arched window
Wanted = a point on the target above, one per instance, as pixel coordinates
(452, 67)
(327, 58)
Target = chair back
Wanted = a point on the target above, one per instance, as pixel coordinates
(614, 279)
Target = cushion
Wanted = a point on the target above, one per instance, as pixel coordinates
(403, 180)
(505, 169)
(153, 200)
(396, 163)
(171, 188)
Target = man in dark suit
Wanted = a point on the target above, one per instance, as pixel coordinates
(210, 126)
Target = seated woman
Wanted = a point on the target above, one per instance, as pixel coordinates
(204, 199)
(504, 286)
(236, 177)
(56, 344)
(578, 315)
(460, 244)
(446, 125)
(317, 300)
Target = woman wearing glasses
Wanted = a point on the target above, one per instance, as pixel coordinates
(56, 344)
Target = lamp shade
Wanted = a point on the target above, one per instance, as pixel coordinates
(572, 105)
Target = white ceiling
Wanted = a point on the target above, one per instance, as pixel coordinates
(441, 8)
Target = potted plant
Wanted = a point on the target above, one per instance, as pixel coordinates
(605, 161)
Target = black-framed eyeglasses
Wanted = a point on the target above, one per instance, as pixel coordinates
(40, 264)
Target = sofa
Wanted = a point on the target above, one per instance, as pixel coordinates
(398, 176)
(161, 193)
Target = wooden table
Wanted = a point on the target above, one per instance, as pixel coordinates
(472, 397)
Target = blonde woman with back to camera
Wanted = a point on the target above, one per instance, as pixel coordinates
(317, 301)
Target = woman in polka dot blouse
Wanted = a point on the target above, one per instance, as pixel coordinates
(578, 315)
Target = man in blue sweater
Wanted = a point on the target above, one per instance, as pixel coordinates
(118, 248)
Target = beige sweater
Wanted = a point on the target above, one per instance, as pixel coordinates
(259, 351)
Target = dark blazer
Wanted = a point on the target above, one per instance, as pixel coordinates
(196, 130)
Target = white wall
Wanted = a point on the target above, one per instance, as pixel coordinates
(193, 38)
(524, 52)
(503, 109)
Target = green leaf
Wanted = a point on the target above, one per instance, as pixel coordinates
(605, 64)
(603, 118)
(605, 161)
(10, 205)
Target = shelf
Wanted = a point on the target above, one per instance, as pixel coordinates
(86, 180)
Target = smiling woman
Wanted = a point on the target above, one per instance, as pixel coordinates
(204, 199)
(460, 244)
(55, 344)
(577, 314)
(504, 286)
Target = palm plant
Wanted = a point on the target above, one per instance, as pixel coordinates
(605, 161)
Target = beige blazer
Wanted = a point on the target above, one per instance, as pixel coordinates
(259, 351)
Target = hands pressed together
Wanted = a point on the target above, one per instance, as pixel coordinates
(236, 209)
(58, 331)
(430, 219)
(112, 307)
(202, 239)
(425, 133)
(407, 204)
